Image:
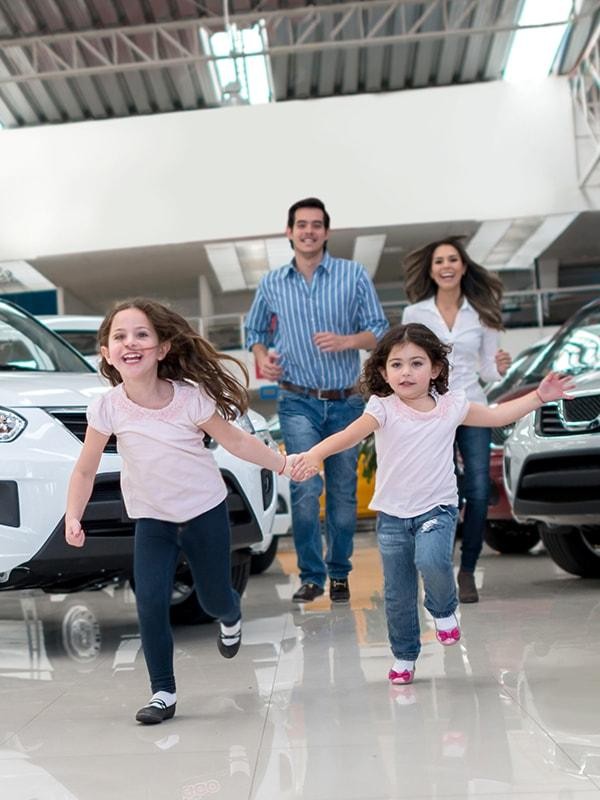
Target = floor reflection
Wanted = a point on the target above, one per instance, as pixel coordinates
(305, 710)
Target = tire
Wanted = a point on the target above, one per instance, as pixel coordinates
(262, 561)
(507, 536)
(576, 550)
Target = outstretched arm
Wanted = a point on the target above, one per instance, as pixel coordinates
(81, 485)
(243, 445)
(307, 464)
(553, 387)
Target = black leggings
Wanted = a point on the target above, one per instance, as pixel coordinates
(205, 541)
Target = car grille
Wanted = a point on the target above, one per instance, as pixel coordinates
(579, 415)
(570, 479)
(75, 421)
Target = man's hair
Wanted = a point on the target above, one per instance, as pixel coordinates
(308, 202)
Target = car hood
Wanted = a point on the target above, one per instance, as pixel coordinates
(49, 389)
(588, 382)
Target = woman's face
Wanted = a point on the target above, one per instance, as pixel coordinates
(447, 267)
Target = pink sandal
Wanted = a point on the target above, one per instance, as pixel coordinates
(401, 678)
(448, 637)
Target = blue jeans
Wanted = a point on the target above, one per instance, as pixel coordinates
(205, 541)
(305, 421)
(474, 487)
(410, 546)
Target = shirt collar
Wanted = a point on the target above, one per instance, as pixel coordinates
(326, 263)
(430, 305)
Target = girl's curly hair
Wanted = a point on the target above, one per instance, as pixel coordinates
(373, 382)
(190, 358)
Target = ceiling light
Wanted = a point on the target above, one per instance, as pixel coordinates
(226, 266)
(279, 252)
(368, 250)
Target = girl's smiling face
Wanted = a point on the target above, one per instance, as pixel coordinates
(133, 346)
(409, 372)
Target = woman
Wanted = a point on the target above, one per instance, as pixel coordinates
(459, 301)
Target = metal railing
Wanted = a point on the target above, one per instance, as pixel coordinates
(530, 308)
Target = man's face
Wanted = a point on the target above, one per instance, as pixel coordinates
(309, 233)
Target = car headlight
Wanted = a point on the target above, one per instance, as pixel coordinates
(245, 423)
(500, 435)
(11, 425)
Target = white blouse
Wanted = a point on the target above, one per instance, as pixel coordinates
(474, 345)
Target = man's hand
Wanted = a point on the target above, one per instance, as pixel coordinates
(268, 365)
(330, 342)
(503, 361)
(554, 387)
(74, 533)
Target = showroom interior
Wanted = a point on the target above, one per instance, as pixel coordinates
(152, 148)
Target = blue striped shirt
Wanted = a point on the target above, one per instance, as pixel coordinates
(340, 298)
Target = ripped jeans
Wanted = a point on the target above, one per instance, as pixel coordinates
(408, 547)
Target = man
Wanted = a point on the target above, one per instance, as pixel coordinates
(326, 310)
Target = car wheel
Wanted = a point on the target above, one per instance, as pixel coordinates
(576, 550)
(262, 561)
(507, 536)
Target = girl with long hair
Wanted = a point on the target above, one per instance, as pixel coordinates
(460, 301)
(170, 388)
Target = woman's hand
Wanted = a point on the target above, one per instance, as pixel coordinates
(74, 533)
(503, 361)
(306, 466)
(554, 387)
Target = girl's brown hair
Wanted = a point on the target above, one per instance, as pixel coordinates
(373, 382)
(482, 289)
(190, 358)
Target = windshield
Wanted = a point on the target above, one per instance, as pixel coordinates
(27, 346)
(576, 348)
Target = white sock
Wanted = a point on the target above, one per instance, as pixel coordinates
(168, 698)
(446, 623)
(231, 630)
(401, 666)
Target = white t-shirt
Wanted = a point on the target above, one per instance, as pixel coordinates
(167, 472)
(474, 345)
(415, 463)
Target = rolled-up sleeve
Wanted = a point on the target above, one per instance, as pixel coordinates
(258, 322)
(490, 340)
(371, 316)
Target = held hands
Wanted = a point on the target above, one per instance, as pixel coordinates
(503, 361)
(74, 533)
(306, 466)
(554, 387)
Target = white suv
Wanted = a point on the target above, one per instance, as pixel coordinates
(45, 386)
(552, 458)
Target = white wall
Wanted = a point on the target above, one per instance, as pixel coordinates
(483, 151)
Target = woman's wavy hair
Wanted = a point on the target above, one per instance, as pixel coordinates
(190, 358)
(372, 380)
(482, 289)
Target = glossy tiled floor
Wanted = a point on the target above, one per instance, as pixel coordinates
(305, 711)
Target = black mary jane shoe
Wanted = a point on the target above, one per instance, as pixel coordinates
(155, 712)
(228, 643)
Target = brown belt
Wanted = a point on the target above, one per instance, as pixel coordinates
(320, 394)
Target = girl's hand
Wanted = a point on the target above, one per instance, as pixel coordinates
(74, 533)
(503, 361)
(289, 465)
(305, 466)
(554, 387)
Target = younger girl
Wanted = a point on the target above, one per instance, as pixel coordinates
(414, 418)
(169, 390)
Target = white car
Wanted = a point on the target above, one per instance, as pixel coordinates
(45, 386)
(552, 458)
(80, 331)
